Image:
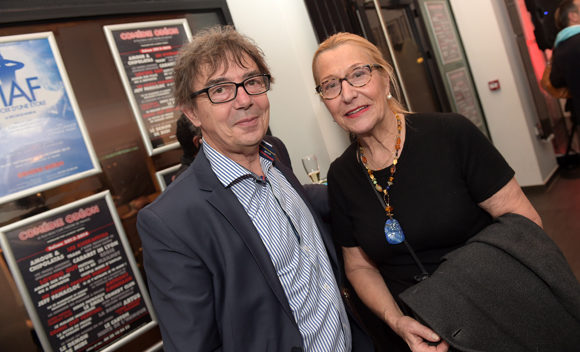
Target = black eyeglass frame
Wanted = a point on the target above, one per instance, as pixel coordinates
(238, 85)
(370, 67)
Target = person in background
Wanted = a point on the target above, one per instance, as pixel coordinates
(409, 185)
(566, 55)
(236, 259)
(189, 138)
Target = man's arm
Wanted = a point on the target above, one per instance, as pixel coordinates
(181, 288)
(556, 75)
(318, 196)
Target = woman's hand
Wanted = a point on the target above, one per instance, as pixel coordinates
(372, 290)
(415, 335)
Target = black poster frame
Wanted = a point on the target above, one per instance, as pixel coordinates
(145, 63)
(18, 12)
(81, 272)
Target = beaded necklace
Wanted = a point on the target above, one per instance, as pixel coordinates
(393, 230)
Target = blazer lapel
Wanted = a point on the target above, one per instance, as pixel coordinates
(226, 202)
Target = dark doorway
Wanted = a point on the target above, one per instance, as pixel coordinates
(407, 52)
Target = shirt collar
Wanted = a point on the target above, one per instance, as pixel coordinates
(229, 172)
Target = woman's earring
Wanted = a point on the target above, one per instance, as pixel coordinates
(389, 96)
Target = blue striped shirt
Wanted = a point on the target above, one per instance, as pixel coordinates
(293, 241)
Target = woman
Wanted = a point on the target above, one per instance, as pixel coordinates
(434, 178)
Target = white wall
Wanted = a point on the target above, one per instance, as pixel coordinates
(283, 30)
(511, 116)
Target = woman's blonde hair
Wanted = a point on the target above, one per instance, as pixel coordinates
(372, 51)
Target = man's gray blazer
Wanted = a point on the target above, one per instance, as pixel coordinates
(211, 280)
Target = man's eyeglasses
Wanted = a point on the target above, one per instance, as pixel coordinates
(224, 92)
(358, 77)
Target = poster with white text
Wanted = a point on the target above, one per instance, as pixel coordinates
(43, 139)
(463, 95)
(444, 32)
(145, 54)
(77, 275)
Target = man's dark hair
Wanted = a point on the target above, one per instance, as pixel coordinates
(562, 13)
(185, 133)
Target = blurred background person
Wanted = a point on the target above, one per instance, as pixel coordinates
(189, 138)
(566, 55)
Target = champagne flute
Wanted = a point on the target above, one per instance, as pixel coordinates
(312, 169)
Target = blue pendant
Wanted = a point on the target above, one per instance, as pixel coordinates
(394, 232)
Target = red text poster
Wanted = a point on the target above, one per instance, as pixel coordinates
(145, 55)
(77, 276)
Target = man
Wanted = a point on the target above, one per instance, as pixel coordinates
(235, 258)
(189, 138)
(566, 56)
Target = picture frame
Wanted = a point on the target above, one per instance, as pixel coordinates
(165, 177)
(144, 54)
(78, 278)
(45, 142)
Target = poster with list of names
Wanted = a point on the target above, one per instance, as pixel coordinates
(463, 95)
(145, 54)
(77, 276)
(442, 27)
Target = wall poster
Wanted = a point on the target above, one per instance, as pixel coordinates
(166, 176)
(145, 54)
(77, 276)
(442, 27)
(44, 141)
(463, 95)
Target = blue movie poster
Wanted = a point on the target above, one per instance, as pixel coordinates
(42, 139)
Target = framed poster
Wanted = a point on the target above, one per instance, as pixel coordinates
(165, 177)
(463, 95)
(77, 276)
(44, 139)
(442, 27)
(145, 54)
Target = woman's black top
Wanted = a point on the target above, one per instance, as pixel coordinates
(447, 166)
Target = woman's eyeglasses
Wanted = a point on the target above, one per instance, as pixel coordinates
(358, 77)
